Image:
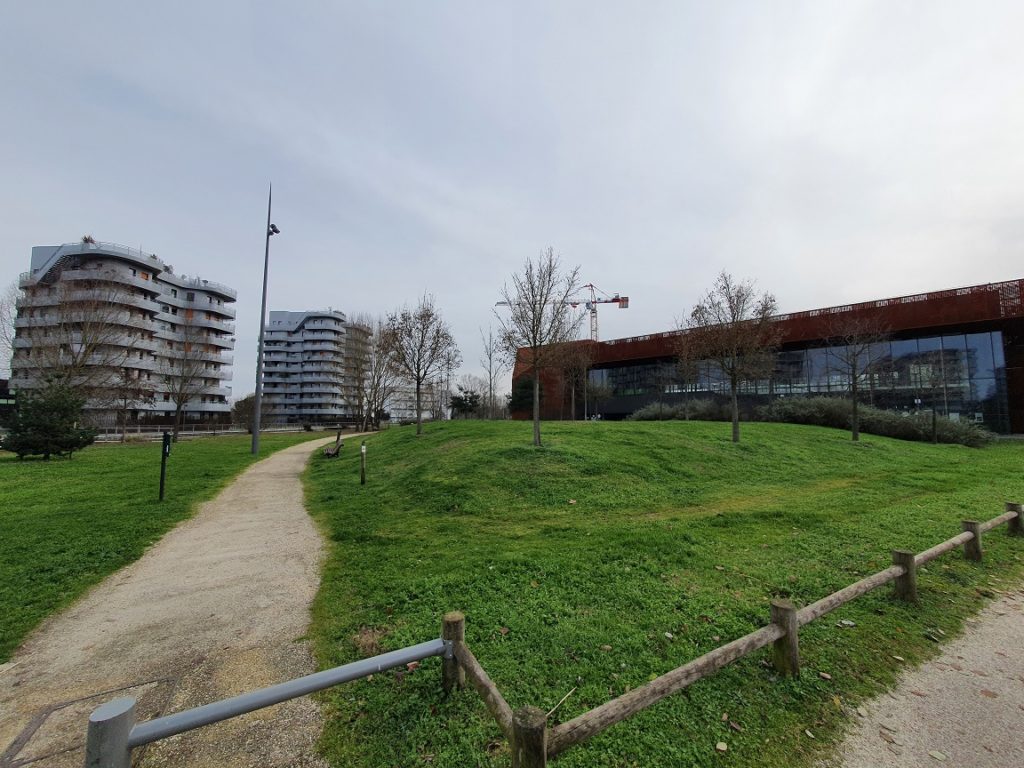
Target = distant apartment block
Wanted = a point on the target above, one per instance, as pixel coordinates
(401, 404)
(314, 363)
(120, 323)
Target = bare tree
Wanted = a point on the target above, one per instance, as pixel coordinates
(422, 347)
(732, 327)
(244, 411)
(541, 317)
(373, 371)
(381, 375)
(574, 359)
(495, 363)
(8, 310)
(129, 391)
(184, 368)
(688, 368)
(854, 347)
(79, 334)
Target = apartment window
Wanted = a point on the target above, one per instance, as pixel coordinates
(167, 397)
(144, 275)
(134, 273)
(174, 292)
(190, 296)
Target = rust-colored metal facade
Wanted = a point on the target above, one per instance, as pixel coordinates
(993, 307)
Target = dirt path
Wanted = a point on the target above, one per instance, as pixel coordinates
(218, 607)
(964, 709)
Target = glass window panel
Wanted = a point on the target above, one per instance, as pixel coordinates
(817, 369)
(980, 362)
(904, 362)
(954, 361)
(791, 372)
(839, 365)
(998, 361)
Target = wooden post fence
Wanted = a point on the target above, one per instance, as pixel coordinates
(533, 743)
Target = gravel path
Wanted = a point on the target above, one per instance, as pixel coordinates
(964, 709)
(218, 607)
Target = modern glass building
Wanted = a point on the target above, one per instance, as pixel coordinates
(959, 351)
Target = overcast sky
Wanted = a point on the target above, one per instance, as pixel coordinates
(832, 151)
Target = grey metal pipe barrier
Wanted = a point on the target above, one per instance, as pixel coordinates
(113, 732)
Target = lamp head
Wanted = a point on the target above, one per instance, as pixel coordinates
(274, 230)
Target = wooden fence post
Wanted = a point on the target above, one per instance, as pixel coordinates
(786, 650)
(529, 738)
(1016, 524)
(453, 629)
(972, 548)
(906, 585)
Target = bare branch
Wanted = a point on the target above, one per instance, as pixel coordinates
(540, 317)
(421, 347)
(732, 327)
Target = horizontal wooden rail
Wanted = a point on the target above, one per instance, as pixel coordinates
(995, 522)
(818, 609)
(940, 549)
(596, 720)
(492, 697)
(533, 743)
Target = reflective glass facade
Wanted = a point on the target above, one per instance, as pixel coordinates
(961, 375)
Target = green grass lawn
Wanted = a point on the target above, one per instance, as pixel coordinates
(615, 534)
(65, 524)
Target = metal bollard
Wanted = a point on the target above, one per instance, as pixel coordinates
(106, 744)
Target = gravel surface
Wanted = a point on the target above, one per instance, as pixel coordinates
(964, 709)
(218, 607)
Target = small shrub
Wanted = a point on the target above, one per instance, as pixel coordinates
(655, 412)
(706, 409)
(837, 412)
(819, 411)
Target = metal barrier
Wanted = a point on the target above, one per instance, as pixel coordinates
(113, 732)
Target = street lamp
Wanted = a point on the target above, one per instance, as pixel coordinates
(258, 399)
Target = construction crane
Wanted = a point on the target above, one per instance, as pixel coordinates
(590, 304)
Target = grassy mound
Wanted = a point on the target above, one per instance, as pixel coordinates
(622, 550)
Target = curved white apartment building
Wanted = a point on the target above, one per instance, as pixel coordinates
(313, 363)
(120, 322)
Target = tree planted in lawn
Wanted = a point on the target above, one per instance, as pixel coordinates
(184, 371)
(541, 317)
(855, 349)
(732, 328)
(8, 301)
(45, 423)
(495, 362)
(421, 347)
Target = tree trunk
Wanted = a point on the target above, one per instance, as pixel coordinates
(572, 403)
(854, 416)
(177, 424)
(734, 385)
(536, 407)
(419, 409)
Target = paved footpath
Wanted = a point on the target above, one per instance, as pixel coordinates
(218, 607)
(963, 709)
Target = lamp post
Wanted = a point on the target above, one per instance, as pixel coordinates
(258, 399)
